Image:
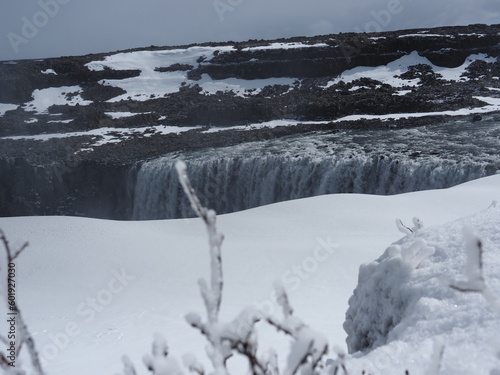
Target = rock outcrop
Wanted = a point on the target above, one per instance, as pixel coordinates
(76, 151)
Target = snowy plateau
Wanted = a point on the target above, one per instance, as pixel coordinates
(358, 173)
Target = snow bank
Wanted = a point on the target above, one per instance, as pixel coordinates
(400, 308)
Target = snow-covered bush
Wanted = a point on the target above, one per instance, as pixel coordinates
(225, 339)
(404, 315)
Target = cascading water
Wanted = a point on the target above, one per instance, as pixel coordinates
(370, 162)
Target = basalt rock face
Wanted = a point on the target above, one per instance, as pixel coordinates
(79, 188)
(320, 59)
(75, 131)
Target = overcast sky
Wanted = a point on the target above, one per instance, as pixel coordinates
(52, 28)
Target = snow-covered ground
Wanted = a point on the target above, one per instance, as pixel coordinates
(115, 115)
(151, 83)
(93, 290)
(390, 73)
(115, 135)
(7, 107)
(291, 45)
(110, 135)
(492, 105)
(43, 99)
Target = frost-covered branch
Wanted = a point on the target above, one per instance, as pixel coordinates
(212, 296)
(160, 363)
(308, 347)
(473, 279)
(23, 333)
(128, 366)
(237, 336)
(437, 358)
(334, 366)
(417, 225)
(192, 364)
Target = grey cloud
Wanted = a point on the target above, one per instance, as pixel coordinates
(80, 27)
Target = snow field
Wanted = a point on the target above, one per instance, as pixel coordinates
(93, 290)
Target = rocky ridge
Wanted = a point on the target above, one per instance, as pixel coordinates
(98, 119)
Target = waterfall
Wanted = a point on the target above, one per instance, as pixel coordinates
(231, 184)
(385, 162)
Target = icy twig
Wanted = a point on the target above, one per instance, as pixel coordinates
(417, 225)
(192, 364)
(24, 334)
(212, 296)
(271, 361)
(160, 363)
(309, 346)
(239, 335)
(403, 228)
(339, 364)
(128, 366)
(220, 350)
(437, 358)
(473, 270)
(11, 256)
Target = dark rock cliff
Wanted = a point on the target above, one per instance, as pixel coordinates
(72, 176)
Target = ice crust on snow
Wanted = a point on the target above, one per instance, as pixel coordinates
(399, 309)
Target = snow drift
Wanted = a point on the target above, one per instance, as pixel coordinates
(405, 309)
(119, 283)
